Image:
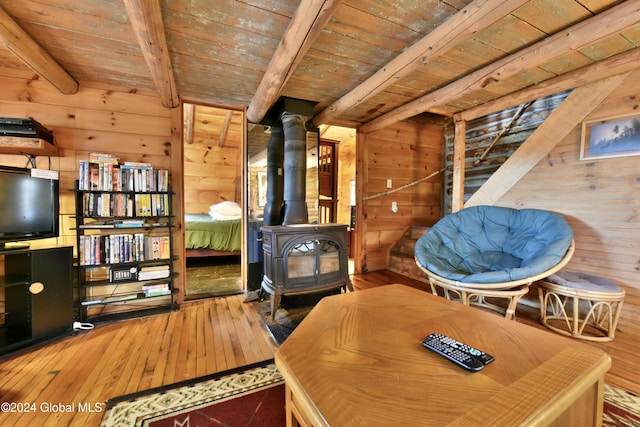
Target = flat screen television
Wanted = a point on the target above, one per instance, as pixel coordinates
(29, 206)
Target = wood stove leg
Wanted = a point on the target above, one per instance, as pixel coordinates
(275, 303)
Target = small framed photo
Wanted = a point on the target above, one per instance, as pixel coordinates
(262, 189)
(611, 137)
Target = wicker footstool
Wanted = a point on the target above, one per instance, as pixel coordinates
(561, 295)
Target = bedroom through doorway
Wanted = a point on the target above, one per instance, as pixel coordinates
(212, 146)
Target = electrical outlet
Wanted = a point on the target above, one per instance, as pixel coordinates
(394, 207)
(389, 183)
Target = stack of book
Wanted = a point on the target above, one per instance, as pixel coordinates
(104, 172)
(154, 272)
(156, 290)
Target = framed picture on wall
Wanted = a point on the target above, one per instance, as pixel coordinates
(610, 137)
(262, 189)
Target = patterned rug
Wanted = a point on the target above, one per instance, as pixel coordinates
(621, 408)
(253, 396)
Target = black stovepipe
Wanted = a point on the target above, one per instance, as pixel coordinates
(295, 169)
(275, 179)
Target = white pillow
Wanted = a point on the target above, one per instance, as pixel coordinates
(217, 217)
(225, 209)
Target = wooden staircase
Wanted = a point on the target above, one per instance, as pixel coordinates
(401, 256)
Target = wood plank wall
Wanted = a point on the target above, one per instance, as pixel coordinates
(481, 133)
(346, 173)
(213, 161)
(404, 152)
(123, 121)
(600, 199)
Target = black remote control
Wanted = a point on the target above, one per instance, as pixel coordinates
(462, 354)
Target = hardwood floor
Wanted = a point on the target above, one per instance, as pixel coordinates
(213, 276)
(204, 337)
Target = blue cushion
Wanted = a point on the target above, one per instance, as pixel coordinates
(493, 244)
(584, 281)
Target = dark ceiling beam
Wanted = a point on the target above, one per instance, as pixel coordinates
(146, 19)
(571, 39)
(618, 64)
(304, 28)
(18, 42)
(464, 24)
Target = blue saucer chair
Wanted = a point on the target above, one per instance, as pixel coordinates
(485, 252)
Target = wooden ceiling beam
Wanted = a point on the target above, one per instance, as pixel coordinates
(304, 28)
(188, 120)
(225, 129)
(468, 21)
(18, 42)
(571, 39)
(146, 20)
(618, 64)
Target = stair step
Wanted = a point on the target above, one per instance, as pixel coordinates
(404, 246)
(417, 232)
(415, 275)
(404, 264)
(401, 256)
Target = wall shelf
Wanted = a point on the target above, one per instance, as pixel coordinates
(22, 145)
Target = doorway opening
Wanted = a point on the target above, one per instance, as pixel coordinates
(337, 179)
(213, 138)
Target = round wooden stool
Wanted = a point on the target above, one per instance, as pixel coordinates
(560, 297)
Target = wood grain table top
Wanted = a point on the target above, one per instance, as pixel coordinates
(358, 359)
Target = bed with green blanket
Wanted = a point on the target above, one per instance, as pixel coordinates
(205, 236)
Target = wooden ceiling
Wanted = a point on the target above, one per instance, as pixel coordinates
(366, 63)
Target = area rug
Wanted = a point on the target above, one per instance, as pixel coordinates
(252, 396)
(621, 408)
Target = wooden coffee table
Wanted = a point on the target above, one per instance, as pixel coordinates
(358, 359)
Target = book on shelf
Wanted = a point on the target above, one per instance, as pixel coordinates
(105, 172)
(129, 223)
(111, 298)
(96, 224)
(121, 223)
(122, 248)
(156, 290)
(103, 158)
(125, 205)
(161, 273)
(157, 247)
(154, 267)
(120, 298)
(107, 204)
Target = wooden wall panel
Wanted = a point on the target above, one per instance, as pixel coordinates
(346, 174)
(132, 125)
(213, 161)
(601, 200)
(403, 153)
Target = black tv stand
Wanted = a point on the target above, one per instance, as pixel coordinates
(13, 247)
(34, 314)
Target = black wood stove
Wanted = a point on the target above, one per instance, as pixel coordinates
(299, 257)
